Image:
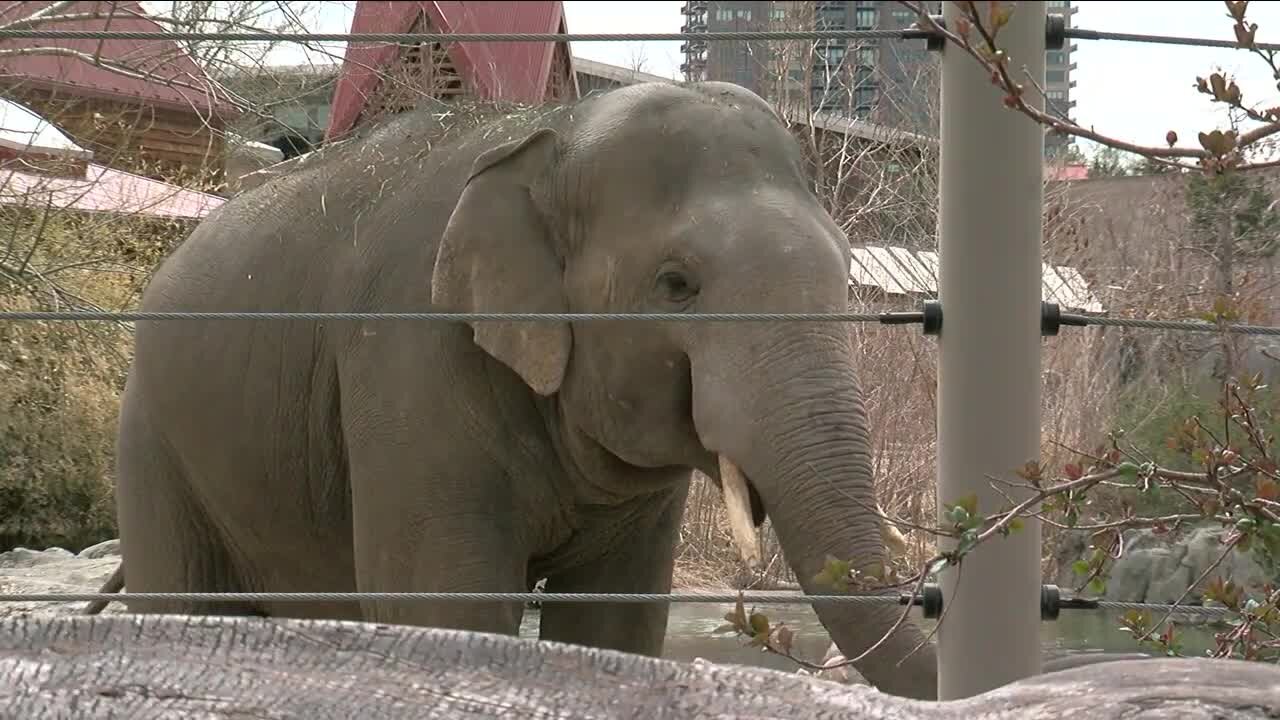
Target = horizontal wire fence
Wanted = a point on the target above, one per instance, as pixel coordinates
(893, 318)
(776, 598)
(748, 35)
(541, 597)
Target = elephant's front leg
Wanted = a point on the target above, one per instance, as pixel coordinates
(434, 534)
(639, 559)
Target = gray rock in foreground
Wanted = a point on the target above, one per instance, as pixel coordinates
(126, 666)
(55, 570)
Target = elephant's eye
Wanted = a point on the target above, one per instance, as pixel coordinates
(676, 286)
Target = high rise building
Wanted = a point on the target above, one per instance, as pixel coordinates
(1058, 82)
(892, 82)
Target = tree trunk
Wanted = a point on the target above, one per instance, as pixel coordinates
(1226, 283)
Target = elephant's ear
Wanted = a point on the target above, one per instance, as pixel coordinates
(497, 255)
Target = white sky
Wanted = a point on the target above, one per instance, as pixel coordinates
(1132, 91)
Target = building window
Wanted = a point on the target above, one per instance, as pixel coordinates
(867, 56)
(1055, 76)
(864, 75)
(835, 54)
(1055, 57)
(864, 18)
(730, 14)
(903, 17)
(865, 96)
(1056, 95)
(830, 103)
(911, 58)
(778, 14)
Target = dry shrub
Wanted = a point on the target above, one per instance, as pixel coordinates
(60, 396)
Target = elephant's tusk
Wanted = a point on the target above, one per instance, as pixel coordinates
(738, 503)
(894, 541)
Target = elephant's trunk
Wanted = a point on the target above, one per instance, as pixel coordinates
(792, 419)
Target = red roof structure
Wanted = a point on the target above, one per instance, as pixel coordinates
(105, 190)
(1059, 173)
(523, 72)
(42, 167)
(175, 80)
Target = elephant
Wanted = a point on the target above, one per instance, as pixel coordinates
(376, 455)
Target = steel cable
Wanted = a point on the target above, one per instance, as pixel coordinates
(412, 37)
(1180, 325)
(741, 35)
(552, 597)
(1161, 607)
(447, 317)
(1085, 34)
(885, 318)
(755, 599)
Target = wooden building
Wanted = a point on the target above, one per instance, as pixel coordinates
(140, 105)
(380, 78)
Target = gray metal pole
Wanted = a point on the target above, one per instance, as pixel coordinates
(989, 352)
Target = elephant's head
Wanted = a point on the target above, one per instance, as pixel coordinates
(665, 199)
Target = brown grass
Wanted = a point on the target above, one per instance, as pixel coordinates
(60, 395)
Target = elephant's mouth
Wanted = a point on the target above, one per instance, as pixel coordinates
(745, 509)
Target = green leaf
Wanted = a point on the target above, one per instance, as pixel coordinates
(1097, 586)
(834, 574)
(1080, 567)
(1000, 15)
(1137, 620)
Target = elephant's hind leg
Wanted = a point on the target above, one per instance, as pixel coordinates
(166, 542)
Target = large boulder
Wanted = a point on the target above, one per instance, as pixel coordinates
(1159, 567)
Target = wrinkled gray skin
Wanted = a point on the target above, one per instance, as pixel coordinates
(237, 668)
(436, 456)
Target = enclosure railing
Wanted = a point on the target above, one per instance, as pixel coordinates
(989, 353)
